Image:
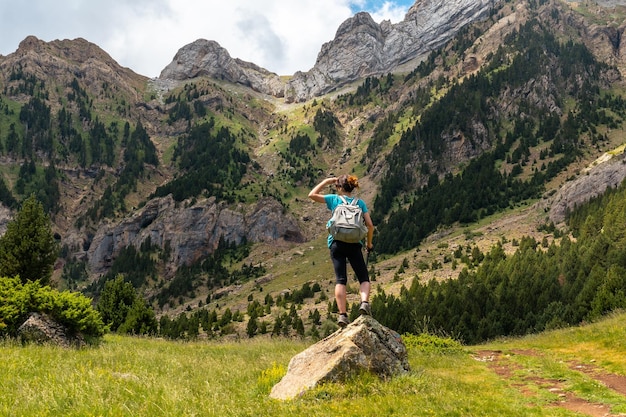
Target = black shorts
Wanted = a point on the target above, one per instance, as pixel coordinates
(341, 253)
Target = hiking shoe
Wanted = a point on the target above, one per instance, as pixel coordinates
(365, 309)
(343, 320)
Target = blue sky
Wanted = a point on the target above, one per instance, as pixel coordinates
(283, 36)
(373, 6)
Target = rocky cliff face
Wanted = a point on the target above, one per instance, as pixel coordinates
(191, 232)
(606, 39)
(606, 172)
(361, 48)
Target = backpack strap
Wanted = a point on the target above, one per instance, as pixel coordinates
(354, 202)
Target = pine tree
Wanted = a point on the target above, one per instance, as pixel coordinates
(252, 327)
(115, 302)
(28, 248)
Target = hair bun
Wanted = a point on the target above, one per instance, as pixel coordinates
(353, 181)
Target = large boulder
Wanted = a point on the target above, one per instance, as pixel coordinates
(42, 329)
(364, 345)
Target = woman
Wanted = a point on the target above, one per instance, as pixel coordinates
(342, 252)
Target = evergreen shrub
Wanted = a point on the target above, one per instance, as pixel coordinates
(73, 310)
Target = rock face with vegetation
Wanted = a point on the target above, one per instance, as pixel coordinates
(608, 173)
(63, 60)
(205, 223)
(363, 346)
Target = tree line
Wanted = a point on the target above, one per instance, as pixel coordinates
(534, 289)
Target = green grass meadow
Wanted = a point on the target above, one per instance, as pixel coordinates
(128, 376)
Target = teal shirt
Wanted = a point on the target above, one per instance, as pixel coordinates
(333, 200)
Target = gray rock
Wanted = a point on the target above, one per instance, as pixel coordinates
(208, 58)
(5, 217)
(364, 345)
(41, 328)
(364, 48)
(192, 232)
(593, 182)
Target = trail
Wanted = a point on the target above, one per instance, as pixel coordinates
(530, 384)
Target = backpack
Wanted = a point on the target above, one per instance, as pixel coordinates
(347, 223)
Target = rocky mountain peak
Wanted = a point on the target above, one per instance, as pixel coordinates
(79, 49)
(361, 48)
(60, 61)
(360, 22)
(207, 58)
(202, 57)
(31, 43)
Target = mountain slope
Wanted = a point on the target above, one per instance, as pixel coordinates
(495, 100)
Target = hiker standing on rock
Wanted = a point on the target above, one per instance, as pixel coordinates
(342, 252)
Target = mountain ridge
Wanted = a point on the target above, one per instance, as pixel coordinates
(361, 48)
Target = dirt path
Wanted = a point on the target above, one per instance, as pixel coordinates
(529, 385)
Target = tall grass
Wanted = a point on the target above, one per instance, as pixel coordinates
(127, 376)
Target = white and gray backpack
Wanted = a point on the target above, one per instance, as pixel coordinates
(347, 223)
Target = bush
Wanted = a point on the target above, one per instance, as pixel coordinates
(73, 310)
(426, 342)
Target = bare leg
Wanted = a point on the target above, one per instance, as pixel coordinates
(365, 292)
(341, 298)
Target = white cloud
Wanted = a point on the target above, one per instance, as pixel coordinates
(283, 36)
(389, 11)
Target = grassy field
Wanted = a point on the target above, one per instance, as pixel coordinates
(560, 373)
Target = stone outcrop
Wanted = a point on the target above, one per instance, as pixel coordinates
(192, 232)
(364, 345)
(606, 172)
(41, 328)
(5, 217)
(208, 58)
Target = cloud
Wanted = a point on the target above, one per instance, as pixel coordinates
(256, 30)
(283, 36)
(389, 11)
